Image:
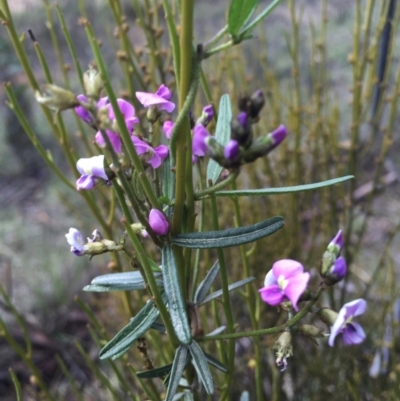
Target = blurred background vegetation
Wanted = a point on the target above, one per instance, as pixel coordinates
(330, 72)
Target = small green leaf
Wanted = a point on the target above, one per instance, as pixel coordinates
(131, 332)
(217, 331)
(230, 236)
(215, 362)
(283, 190)
(124, 281)
(239, 13)
(231, 287)
(205, 285)
(188, 396)
(176, 303)
(178, 366)
(201, 365)
(157, 372)
(159, 327)
(222, 135)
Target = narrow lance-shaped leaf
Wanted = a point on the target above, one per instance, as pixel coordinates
(131, 332)
(176, 303)
(283, 190)
(206, 284)
(124, 281)
(157, 372)
(168, 179)
(222, 135)
(239, 13)
(229, 237)
(231, 287)
(178, 367)
(201, 365)
(216, 363)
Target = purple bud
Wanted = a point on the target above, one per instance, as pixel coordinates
(158, 222)
(232, 150)
(206, 115)
(242, 118)
(337, 243)
(279, 135)
(338, 270)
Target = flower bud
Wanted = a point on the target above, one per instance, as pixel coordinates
(215, 150)
(336, 245)
(336, 272)
(56, 98)
(206, 116)
(241, 130)
(263, 145)
(283, 348)
(158, 222)
(328, 316)
(252, 105)
(232, 150)
(92, 83)
(311, 331)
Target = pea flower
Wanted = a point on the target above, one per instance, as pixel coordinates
(158, 222)
(75, 239)
(168, 127)
(128, 112)
(154, 156)
(352, 332)
(161, 99)
(92, 169)
(285, 281)
(206, 115)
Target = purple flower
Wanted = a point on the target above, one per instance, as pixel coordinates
(168, 127)
(91, 169)
(75, 239)
(128, 112)
(242, 117)
(155, 156)
(232, 150)
(161, 99)
(82, 112)
(158, 222)
(352, 332)
(285, 281)
(337, 243)
(199, 146)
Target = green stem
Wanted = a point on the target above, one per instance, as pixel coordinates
(209, 191)
(216, 37)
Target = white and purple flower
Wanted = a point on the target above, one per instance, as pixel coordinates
(92, 169)
(285, 281)
(352, 332)
(76, 241)
(161, 99)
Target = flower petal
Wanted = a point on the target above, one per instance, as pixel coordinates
(353, 334)
(168, 126)
(151, 99)
(114, 139)
(287, 268)
(270, 279)
(158, 222)
(337, 327)
(164, 92)
(296, 286)
(272, 294)
(199, 146)
(85, 182)
(355, 308)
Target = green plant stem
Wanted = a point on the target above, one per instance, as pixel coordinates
(151, 281)
(226, 302)
(216, 38)
(17, 384)
(204, 194)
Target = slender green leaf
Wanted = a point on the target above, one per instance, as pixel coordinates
(283, 190)
(159, 327)
(215, 362)
(239, 13)
(178, 366)
(231, 287)
(131, 332)
(245, 396)
(222, 135)
(157, 372)
(176, 303)
(201, 365)
(206, 284)
(124, 281)
(230, 236)
(188, 396)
